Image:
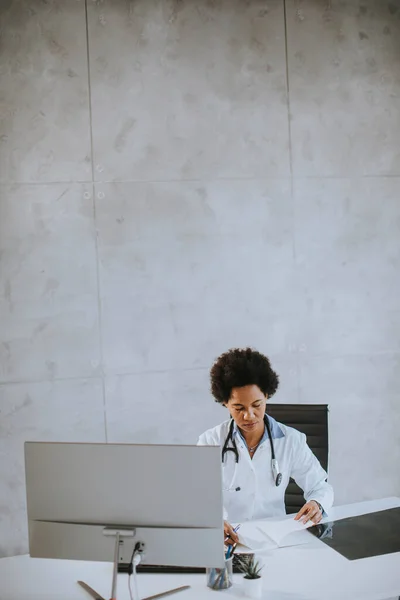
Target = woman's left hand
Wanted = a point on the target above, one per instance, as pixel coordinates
(310, 512)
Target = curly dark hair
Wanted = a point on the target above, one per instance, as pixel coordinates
(239, 367)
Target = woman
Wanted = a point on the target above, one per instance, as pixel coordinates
(242, 380)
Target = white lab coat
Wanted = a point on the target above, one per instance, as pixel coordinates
(259, 497)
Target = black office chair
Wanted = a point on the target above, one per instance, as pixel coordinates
(312, 420)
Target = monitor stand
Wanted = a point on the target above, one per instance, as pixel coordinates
(119, 534)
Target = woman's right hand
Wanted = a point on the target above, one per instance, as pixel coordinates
(233, 537)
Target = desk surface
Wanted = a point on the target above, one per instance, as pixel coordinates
(308, 572)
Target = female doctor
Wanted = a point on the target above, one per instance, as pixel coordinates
(259, 455)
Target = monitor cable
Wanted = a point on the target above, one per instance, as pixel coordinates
(135, 560)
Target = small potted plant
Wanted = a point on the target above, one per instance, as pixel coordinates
(252, 581)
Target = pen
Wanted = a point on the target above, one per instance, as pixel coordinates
(230, 546)
(235, 530)
(231, 550)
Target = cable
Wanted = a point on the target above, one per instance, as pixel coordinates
(135, 584)
(135, 550)
(135, 560)
(129, 587)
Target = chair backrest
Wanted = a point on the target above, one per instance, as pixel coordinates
(312, 420)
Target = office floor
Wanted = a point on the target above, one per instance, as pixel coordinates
(182, 176)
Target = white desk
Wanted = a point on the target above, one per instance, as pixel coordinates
(308, 572)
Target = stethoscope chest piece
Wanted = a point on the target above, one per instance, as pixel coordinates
(277, 475)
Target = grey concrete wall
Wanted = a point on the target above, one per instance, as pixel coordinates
(179, 177)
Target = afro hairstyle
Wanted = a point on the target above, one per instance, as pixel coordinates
(239, 367)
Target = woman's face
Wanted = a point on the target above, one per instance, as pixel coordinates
(247, 407)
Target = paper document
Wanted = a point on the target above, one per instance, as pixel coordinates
(272, 533)
(286, 532)
(251, 537)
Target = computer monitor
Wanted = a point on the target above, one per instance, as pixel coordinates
(80, 495)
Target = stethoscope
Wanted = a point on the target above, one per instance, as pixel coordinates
(233, 448)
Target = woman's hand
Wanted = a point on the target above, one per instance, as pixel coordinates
(310, 512)
(233, 538)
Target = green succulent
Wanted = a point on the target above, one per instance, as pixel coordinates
(249, 566)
